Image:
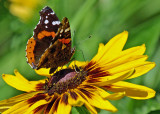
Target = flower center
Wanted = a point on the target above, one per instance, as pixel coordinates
(65, 79)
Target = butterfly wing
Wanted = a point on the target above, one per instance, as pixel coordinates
(44, 34)
(60, 52)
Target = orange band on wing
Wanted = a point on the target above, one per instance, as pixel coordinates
(65, 41)
(44, 33)
(29, 50)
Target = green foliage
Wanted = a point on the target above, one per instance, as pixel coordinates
(92, 22)
(80, 110)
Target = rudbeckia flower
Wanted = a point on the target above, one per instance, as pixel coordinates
(83, 83)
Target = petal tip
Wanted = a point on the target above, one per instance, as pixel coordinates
(125, 32)
(143, 45)
(15, 71)
(154, 64)
(154, 93)
(115, 110)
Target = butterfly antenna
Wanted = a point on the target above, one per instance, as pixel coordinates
(82, 54)
(84, 40)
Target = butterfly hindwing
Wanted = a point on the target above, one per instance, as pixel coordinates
(64, 33)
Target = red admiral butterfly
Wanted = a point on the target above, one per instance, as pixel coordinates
(50, 45)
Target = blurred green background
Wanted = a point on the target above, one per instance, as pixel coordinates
(92, 22)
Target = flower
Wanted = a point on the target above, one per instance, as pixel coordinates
(24, 9)
(83, 83)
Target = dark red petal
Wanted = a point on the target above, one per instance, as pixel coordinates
(89, 66)
(100, 74)
(39, 109)
(92, 80)
(73, 95)
(94, 71)
(65, 99)
(49, 106)
(36, 98)
(56, 104)
(40, 86)
(87, 93)
(89, 87)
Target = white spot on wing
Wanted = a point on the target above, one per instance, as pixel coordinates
(66, 30)
(55, 22)
(61, 31)
(46, 21)
(46, 16)
(46, 26)
(52, 13)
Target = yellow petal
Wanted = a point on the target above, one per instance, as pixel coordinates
(132, 90)
(116, 96)
(78, 63)
(45, 71)
(21, 83)
(112, 48)
(18, 75)
(126, 65)
(104, 94)
(38, 85)
(90, 108)
(17, 98)
(138, 50)
(18, 83)
(142, 69)
(74, 99)
(37, 82)
(64, 107)
(53, 109)
(4, 108)
(100, 48)
(112, 79)
(21, 110)
(96, 100)
(6, 104)
(16, 106)
(126, 55)
(137, 62)
(35, 105)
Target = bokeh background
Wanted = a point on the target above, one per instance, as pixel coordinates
(92, 22)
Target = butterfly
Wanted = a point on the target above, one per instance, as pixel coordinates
(50, 45)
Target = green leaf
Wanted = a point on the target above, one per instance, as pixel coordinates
(82, 110)
(154, 112)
